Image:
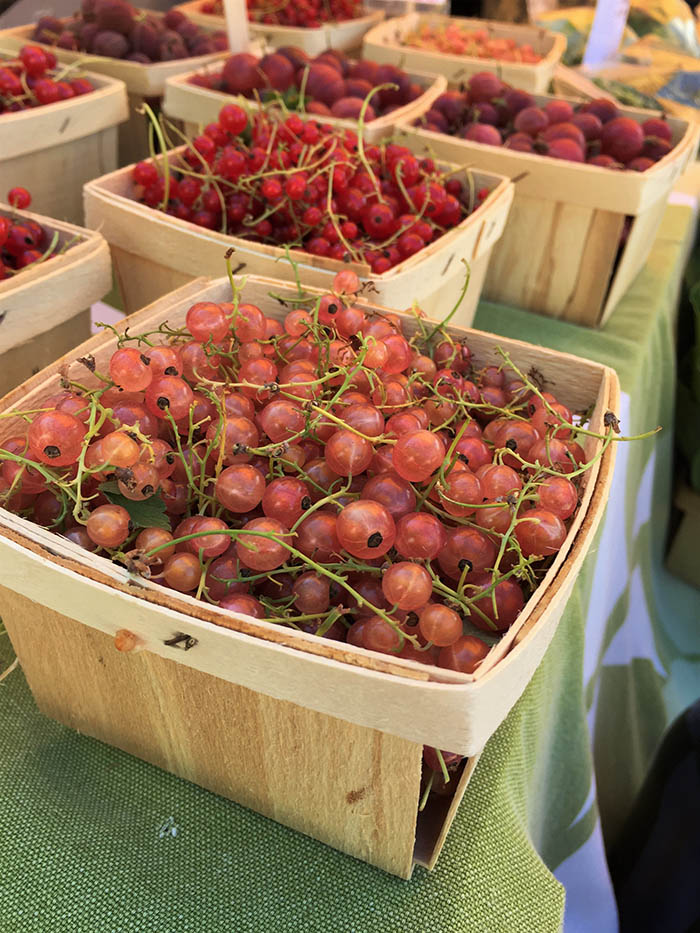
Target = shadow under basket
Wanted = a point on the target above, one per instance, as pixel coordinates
(320, 735)
(683, 557)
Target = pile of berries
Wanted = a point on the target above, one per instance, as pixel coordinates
(22, 241)
(32, 80)
(308, 14)
(329, 85)
(493, 113)
(115, 29)
(309, 186)
(326, 471)
(454, 38)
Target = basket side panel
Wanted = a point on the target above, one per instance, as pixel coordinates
(639, 245)
(141, 280)
(353, 788)
(29, 357)
(555, 258)
(74, 163)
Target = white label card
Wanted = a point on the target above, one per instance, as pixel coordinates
(607, 31)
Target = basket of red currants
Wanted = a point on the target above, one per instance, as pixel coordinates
(372, 479)
(313, 25)
(267, 184)
(50, 273)
(388, 507)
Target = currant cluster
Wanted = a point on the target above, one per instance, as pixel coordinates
(490, 112)
(454, 38)
(32, 80)
(309, 186)
(307, 14)
(329, 85)
(326, 471)
(22, 241)
(115, 29)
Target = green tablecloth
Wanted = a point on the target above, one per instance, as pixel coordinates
(92, 840)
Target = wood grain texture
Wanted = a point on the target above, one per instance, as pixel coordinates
(416, 702)
(29, 357)
(353, 788)
(47, 294)
(198, 106)
(345, 36)
(433, 278)
(566, 268)
(383, 44)
(640, 241)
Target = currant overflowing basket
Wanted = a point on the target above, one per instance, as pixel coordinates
(297, 659)
(268, 186)
(344, 34)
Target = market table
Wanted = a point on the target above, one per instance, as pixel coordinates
(94, 841)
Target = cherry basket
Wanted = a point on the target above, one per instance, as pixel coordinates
(196, 106)
(565, 252)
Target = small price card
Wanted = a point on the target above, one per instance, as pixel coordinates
(607, 31)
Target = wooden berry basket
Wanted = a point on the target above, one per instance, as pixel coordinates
(196, 106)
(143, 83)
(252, 710)
(345, 36)
(53, 150)
(558, 255)
(154, 253)
(383, 44)
(45, 308)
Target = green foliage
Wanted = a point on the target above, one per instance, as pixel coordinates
(146, 513)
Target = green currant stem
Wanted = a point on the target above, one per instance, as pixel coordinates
(443, 766)
(426, 792)
(320, 568)
(452, 313)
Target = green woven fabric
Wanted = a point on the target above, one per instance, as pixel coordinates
(94, 841)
